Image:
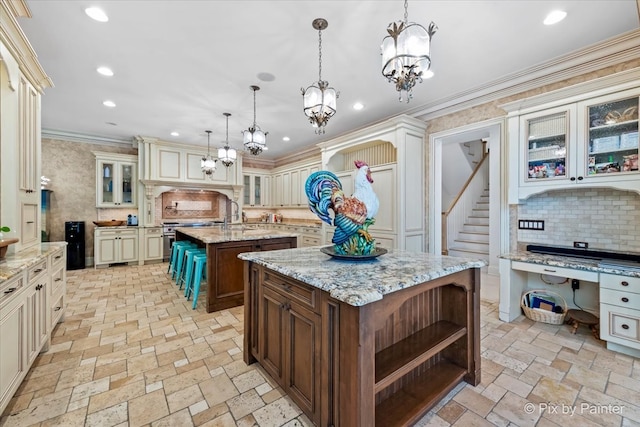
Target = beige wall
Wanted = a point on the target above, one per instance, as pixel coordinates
(71, 166)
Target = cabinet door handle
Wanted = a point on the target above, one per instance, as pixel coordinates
(573, 178)
(580, 178)
(30, 222)
(624, 283)
(549, 270)
(57, 309)
(10, 290)
(58, 279)
(625, 326)
(37, 271)
(624, 299)
(59, 256)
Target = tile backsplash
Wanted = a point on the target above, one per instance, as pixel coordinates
(604, 218)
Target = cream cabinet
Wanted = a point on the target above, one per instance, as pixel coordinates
(114, 245)
(592, 142)
(256, 189)
(183, 164)
(620, 312)
(116, 180)
(13, 329)
(288, 185)
(37, 309)
(58, 286)
(152, 243)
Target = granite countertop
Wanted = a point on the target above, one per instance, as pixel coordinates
(360, 282)
(234, 233)
(577, 263)
(15, 263)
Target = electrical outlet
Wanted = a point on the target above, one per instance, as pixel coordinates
(575, 284)
(580, 245)
(531, 224)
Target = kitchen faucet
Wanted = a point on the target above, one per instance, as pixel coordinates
(229, 212)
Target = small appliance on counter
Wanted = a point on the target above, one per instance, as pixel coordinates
(132, 220)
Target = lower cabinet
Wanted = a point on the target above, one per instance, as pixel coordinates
(620, 311)
(152, 243)
(31, 303)
(115, 245)
(290, 350)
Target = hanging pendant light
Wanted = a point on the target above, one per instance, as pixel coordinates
(226, 155)
(208, 163)
(255, 140)
(319, 100)
(406, 54)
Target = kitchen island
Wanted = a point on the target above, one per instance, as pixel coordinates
(225, 284)
(363, 343)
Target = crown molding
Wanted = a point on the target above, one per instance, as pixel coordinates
(15, 41)
(88, 139)
(596, 57)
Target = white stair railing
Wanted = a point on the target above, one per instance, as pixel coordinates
(453, 219)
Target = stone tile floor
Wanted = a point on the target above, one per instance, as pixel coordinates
(132, 352)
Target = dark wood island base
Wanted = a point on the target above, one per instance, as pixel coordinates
(384, 363)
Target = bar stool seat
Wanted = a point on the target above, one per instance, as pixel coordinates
(200, 269)
(187, 270)
(178, 259)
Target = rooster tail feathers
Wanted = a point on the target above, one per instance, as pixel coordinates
(319, 187)
(345, 228)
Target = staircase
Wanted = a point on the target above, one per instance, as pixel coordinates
(472, 241)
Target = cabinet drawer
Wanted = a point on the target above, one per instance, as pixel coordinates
(36, 270)
(10, 288)
(152, 231)
(57, 281)
(620, 325)
(304, 294)
(57, 310)
(116, 232)
(552, 270)
(57, 258)
(620, 298)
(310, 241)
(620, 283)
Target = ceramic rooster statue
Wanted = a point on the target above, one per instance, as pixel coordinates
(352, 215)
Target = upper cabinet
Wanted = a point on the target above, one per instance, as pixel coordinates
(256, 188)
(288, 184)
(116, 180)
(589, 142)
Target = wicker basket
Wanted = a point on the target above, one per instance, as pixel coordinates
(545, 316)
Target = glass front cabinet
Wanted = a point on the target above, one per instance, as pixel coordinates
(593, 142)
(116, 183)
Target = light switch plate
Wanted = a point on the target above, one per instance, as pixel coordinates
(531, 224)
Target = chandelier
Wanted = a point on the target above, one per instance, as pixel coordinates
(319, 100)
(208, 163)
(227, 155)
(255, 140)
(406, 54)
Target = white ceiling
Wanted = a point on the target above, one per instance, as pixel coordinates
(180, 64)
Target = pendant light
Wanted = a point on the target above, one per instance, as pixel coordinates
(226, 155)
(406, 54)
(255, 140)
(208, 163)
(319, 100)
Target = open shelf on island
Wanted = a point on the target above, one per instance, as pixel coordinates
(410, 403)
(402, 357)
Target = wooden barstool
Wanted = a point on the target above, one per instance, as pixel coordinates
(576, 318)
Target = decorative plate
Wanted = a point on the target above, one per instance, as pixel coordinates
(329, 250)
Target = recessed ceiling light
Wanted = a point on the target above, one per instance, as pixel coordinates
(427, 74)
(286, 138)
(175, 134)
(554, 17)
(97, 14)
(109, 104)
(266, 77)
(358, 106)
(105, 71)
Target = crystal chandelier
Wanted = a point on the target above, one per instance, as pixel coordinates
(227, 155)
(406, 54)
(208, 163)
(319, 100)
(255, 140)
